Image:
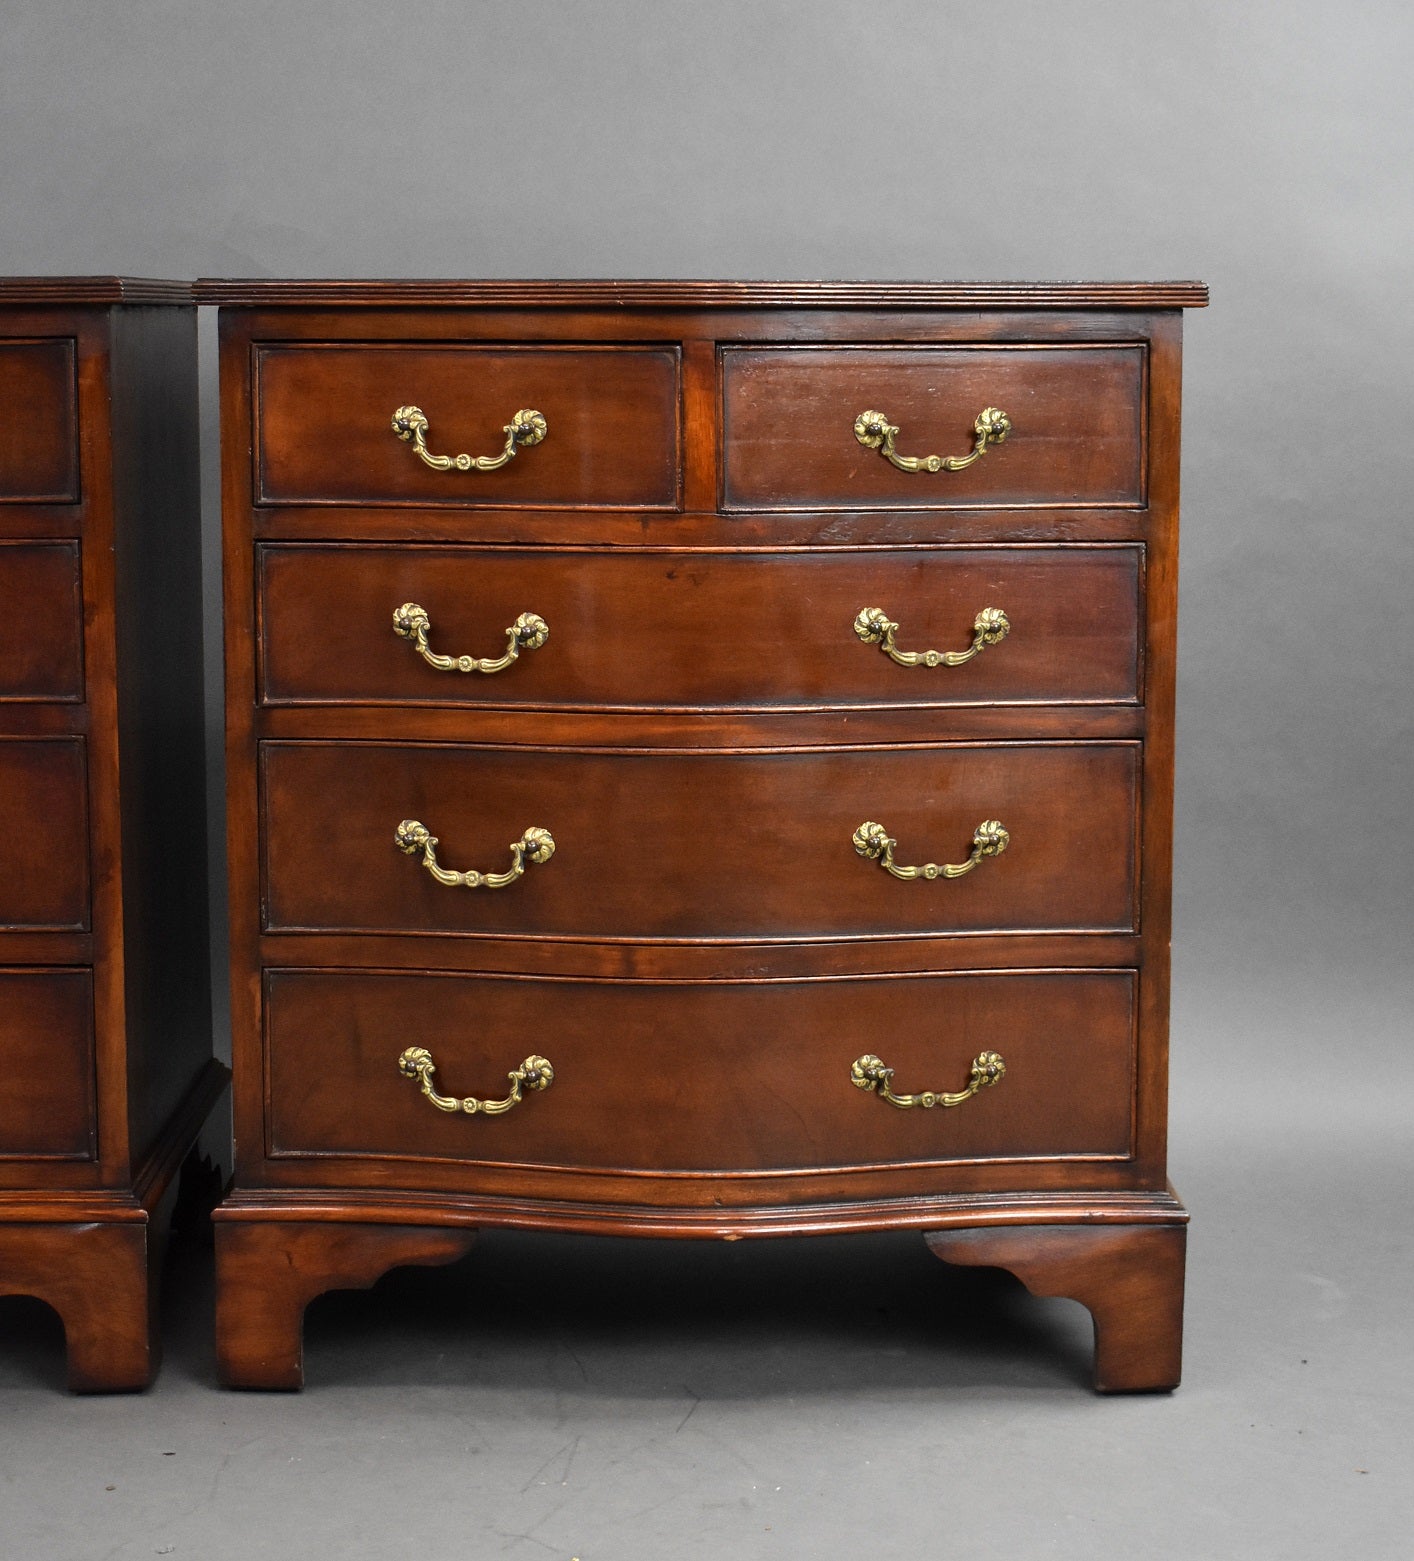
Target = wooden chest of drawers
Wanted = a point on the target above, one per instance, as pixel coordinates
(732, 800)
(105, 1070)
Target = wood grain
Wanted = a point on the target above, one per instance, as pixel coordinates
(788, 414)
(47, 1107)
(694, 950)
(324, 424)
(105, 1041)
(628, 630)
(714, 1077)
(699, 844)
(1130, 1279)
(41, 636)
(39, 457)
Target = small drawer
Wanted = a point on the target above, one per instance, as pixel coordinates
(1076, 417)
(729, 1076)
(44, 859)
(697, 630)
(609, 437)
(41, 631)
(700, 845)
(39, 448)
(46, 1065)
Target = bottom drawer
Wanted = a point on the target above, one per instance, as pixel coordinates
(733, 1076)
(46, 1065)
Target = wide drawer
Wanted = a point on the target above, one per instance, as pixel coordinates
(650, 629)
(1076, 426)
(700, 844)
(46, 1065)
(41, 633)
(39, 452)
(324, 424)
(44, 858)
(734, 1076)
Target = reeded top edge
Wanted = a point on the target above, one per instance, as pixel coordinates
(92, 290)
(666, 294)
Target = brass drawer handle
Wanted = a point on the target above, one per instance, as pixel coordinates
(874, 841)
(875, 432)
(535, 845)
(525, 428)
(868, 1072)
(873, 625)
(534, 1073)
(528, 632)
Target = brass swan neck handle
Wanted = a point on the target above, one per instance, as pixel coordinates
(870, 1073)
(526, 428)
(412, 623)
(875, 432)
(874, 842)
(535, 845)
(874, 626)
(535, 1073)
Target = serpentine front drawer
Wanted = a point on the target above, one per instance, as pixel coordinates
(716, 1076)
(1010, 837)
(1023, 425)
(644, 630)
(536, 425)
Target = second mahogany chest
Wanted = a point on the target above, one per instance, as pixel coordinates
(700, 765)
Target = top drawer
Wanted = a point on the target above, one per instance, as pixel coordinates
(1076, 433)
(325, 435)
(39, 452)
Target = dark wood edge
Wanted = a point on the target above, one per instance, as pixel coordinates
(150, 1181)
(958, 1211)
(63, 290)
(638, 294)
(154, 1175)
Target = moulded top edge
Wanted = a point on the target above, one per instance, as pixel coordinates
(667, 294)
(92, 290)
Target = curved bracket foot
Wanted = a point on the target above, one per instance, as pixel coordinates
(268, 1271)
(101, 1280)
(1129, 1277)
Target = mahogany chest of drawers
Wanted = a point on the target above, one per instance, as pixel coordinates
(105, 1036)
(731, 799)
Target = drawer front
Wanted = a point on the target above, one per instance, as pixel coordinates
(700, 845)
(1076, 438)
(324, 425)
(701, 1077)
(653, 630)
(39, 450)
(41, 637)
(46, 1065)
(44, 860)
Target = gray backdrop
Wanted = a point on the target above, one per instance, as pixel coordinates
(1265, 148)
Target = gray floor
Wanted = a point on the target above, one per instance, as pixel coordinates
(845, 1398)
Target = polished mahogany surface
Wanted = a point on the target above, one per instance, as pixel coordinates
(784, 411)
(611, 416)
(700, 844)
(47, 1107)
(706, 954)
(707, 1077)
(41, 642)
(780, 626)
(105, 1040)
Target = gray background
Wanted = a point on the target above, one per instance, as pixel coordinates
(1264, 148)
